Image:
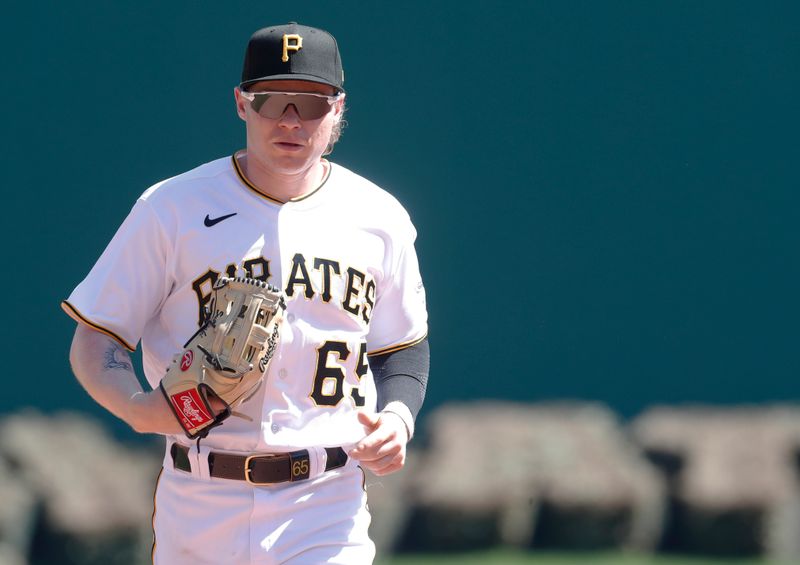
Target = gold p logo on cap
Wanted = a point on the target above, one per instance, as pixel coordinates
(291, 42)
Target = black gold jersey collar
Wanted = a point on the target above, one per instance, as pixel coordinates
(240, 173)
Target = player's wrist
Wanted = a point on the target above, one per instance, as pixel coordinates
(148, 412)
(404, 413)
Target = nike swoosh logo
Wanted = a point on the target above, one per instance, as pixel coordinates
(209, 222)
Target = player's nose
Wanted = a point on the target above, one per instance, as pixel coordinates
(290, 117)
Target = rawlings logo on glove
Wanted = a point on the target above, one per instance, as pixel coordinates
(228, 356)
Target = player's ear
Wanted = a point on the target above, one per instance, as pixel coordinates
(240, 103)
(339, 107)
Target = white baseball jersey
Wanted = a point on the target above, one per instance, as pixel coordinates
(344, 254)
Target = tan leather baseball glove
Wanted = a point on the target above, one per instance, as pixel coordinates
(228, 356)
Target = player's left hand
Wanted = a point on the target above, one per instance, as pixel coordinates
(383, 449)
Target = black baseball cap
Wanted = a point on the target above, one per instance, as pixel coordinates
(292, 52)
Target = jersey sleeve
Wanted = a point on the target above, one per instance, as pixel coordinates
(128, 283)
(400, 317)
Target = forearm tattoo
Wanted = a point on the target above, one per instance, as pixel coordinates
(112, 362)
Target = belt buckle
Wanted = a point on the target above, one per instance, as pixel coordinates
(247, 469)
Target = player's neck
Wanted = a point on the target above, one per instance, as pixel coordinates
(282, 186)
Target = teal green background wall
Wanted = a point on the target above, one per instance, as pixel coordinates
(606, 193)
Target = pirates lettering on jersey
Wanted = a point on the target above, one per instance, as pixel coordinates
(358, 297)
(326, 266)
(353, 294)
(256, 268)
(355, 282)
(299, 276)
(359, 293)
(369, 300)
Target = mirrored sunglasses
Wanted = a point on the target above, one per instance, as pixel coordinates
(309, 105)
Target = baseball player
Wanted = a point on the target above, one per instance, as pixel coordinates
(280, 480)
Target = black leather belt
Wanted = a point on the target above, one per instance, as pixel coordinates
(259, 469)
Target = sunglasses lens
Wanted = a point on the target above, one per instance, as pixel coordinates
(272, 106)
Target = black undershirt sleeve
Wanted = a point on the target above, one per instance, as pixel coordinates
(402, 375)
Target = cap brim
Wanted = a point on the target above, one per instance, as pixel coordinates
(270, 78)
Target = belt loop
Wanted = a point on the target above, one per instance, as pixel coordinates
(198, 455)
(319, 458)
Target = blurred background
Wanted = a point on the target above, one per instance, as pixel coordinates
(607, 209)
